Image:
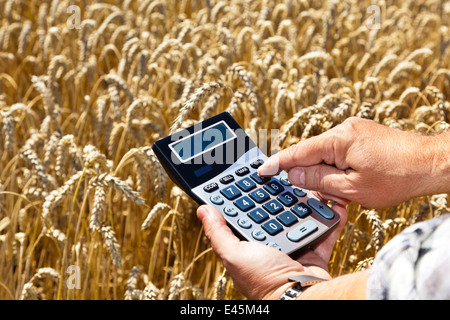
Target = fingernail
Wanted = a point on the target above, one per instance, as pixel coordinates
(297, 177)
(202, 212)
(302, 177)
(269, 168)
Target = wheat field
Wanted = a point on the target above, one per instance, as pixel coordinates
(86, 210)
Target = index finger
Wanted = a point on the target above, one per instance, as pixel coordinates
(313, 151)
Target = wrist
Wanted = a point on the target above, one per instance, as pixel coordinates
(312, 271)
(436, 166)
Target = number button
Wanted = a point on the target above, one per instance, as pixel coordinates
(258, 215)
(274, 188)
(273, 207)
(287, 198)
(287, 218)
(242, 171)
(244, 204)
(259, 195)
(302, 210)
(272, 227)
(216, 199)
(258, 179)
(246, 184)
(231, 192)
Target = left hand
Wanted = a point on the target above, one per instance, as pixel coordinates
(259, 271)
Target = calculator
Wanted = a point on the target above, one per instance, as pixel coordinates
(215, 162)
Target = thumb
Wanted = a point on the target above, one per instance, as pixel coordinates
(323, 178)
(222, 239)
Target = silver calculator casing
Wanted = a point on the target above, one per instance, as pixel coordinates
(192, 175)
(287, 246)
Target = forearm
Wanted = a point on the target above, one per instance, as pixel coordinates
(437, 149)
(348, 287)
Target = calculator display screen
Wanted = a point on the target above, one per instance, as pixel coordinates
(202, 141)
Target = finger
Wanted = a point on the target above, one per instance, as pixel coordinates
(324, 248)
(326, 196)
(305, 153)
(222, 239)
(323, 178)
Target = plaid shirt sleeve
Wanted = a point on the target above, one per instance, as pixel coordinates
(414, 265)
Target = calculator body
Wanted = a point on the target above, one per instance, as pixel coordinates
(215, 162)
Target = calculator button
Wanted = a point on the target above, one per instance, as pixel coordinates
(302, 231)
(287, 218)
(211, 187)
(273, 207)
(299, 193)
(274, 188)
(244, 203)
(231, 192)
(285, 181)
(244, 223)
(301, 209)
(272, 227)
(256, 164)
(287, 198)
(259, 235)
(246, 184)
(230, 211)
(216, 199)
(242, 171)
(258, 215)
(258, 179)
(322, 209)
(274, 245)
(227, 179)
(259, 195)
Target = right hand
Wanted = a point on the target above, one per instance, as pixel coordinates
(363, 161)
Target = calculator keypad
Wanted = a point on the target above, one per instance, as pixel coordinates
(268, 210)
(274, 187)
(244, 204)
(246, 184)
(272, 227)
(273, 207)
(259, 195)
(258, 215)
(231, 192)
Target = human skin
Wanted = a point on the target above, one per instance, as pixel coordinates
(368, 163)
(359, 161)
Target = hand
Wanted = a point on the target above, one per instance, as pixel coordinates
(363, 161)
(259, 271)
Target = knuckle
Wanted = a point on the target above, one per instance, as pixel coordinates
(319, 179)
(292, 151)
(352, 123)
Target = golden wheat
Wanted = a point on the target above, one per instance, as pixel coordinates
(80, 108)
